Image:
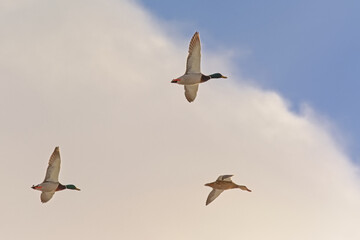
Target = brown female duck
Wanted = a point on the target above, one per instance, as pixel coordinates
(222, 183)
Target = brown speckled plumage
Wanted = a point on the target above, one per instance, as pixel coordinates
(222, 183)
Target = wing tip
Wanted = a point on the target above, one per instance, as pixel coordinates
(208, 200)
(196, 35)
(190, 99)
(195, 38)
(226, 176)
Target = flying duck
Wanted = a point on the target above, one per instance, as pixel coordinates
(51, 184)
(193, 76)
(222, 183)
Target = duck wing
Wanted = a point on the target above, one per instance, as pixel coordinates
(194, 57)
(225, 178)
(212, 195)
(191, 91)
(46, 196)
(52, 172)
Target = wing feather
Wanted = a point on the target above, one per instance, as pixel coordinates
(225, 178)
(46, 196)
(52, 172)
(191, 91)
(213, 195)
(194, 57)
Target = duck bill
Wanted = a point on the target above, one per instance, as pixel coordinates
(77, 189)
(175, 80)
(223, 77)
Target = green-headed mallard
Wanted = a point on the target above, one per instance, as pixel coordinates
(51, 184)
(193, 76)
(222, 183)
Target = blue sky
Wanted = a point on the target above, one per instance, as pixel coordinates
(306, 50)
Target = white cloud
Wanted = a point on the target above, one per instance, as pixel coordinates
(94, 77)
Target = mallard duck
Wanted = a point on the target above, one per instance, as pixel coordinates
(51, 184)
(193, 76)
(222, 183)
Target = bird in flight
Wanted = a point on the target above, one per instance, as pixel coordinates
(193, 76)
(222, 183)
(51, 184)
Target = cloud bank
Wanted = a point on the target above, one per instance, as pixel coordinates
(94, 78)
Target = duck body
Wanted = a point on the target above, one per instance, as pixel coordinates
(193, 76)
(223, 183)
(51, 184)
(189, 79)
(49, 187)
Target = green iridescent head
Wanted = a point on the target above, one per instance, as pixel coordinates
(217, 75)
(72, 187)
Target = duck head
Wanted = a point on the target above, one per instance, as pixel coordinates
(217, 75)
(243, 188)
(72, 187)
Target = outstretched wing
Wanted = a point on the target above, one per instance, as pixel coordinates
(52, 172)
(46, 196)
(225, 178)
(191, 91)
(194, 57)
(212, 195)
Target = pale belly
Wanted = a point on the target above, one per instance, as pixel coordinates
(190, 79)
(49, 186)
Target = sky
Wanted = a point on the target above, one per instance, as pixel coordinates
(307, 50)
(93, 77)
